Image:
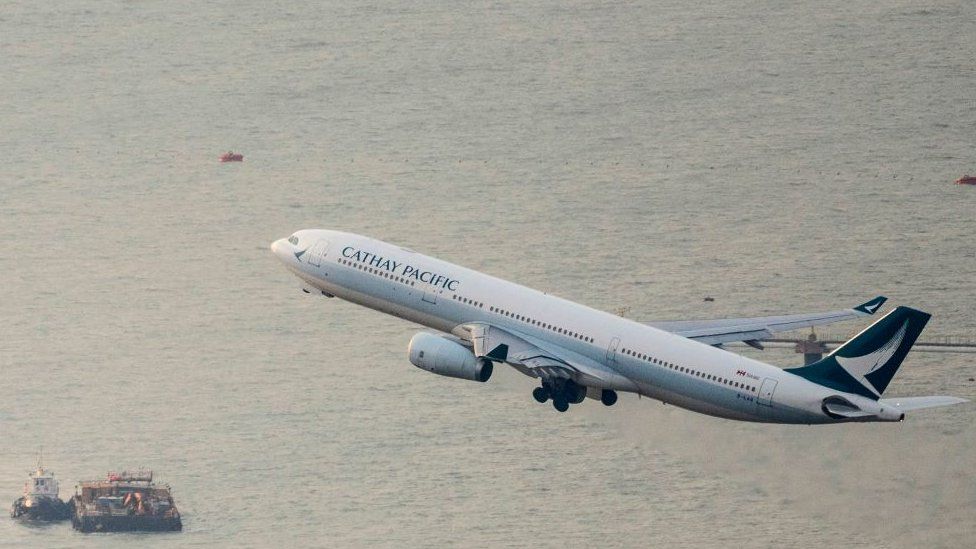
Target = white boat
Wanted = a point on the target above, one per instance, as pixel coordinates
(40, 500)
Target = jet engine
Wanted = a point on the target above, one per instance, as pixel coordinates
(447, 357)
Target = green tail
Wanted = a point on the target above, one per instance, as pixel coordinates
(865, 364)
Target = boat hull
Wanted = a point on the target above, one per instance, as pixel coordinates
(40, 509)
(129, 523)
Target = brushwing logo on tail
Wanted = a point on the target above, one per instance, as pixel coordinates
(861, 366)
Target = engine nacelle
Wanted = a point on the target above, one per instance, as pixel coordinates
(446, 357)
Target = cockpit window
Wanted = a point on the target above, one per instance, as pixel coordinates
(293, 239)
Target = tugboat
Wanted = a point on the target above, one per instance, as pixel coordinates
(966, 180)
(125, 502)
(231, 156)
(40, 500)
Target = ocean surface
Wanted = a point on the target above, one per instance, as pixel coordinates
(633, 156)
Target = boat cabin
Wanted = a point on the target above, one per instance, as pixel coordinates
(41, 483)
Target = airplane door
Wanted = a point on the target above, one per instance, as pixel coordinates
(766, 392)
(612, 349)
(317, 252)
(429, 296)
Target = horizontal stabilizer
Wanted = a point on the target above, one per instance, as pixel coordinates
(918, 403)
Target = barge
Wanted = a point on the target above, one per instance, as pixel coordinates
(125, 502)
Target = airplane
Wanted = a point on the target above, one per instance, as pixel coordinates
(577, 352)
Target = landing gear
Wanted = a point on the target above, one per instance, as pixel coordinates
(563, 392)
(608, 397)
(574, 393)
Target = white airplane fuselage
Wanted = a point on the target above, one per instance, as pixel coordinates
(641, 359)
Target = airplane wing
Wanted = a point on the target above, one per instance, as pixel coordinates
(918, 403)
(536, 358)
(753, 330)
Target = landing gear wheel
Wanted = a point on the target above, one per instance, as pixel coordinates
(540, 394)
(608, 397)
(560, 404)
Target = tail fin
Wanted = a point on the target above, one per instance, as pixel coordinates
(865, 364)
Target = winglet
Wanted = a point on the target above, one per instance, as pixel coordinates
(870, 307)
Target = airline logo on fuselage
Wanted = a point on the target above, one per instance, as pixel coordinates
(399, 268)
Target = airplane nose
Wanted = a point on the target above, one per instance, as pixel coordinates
(278, 248)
